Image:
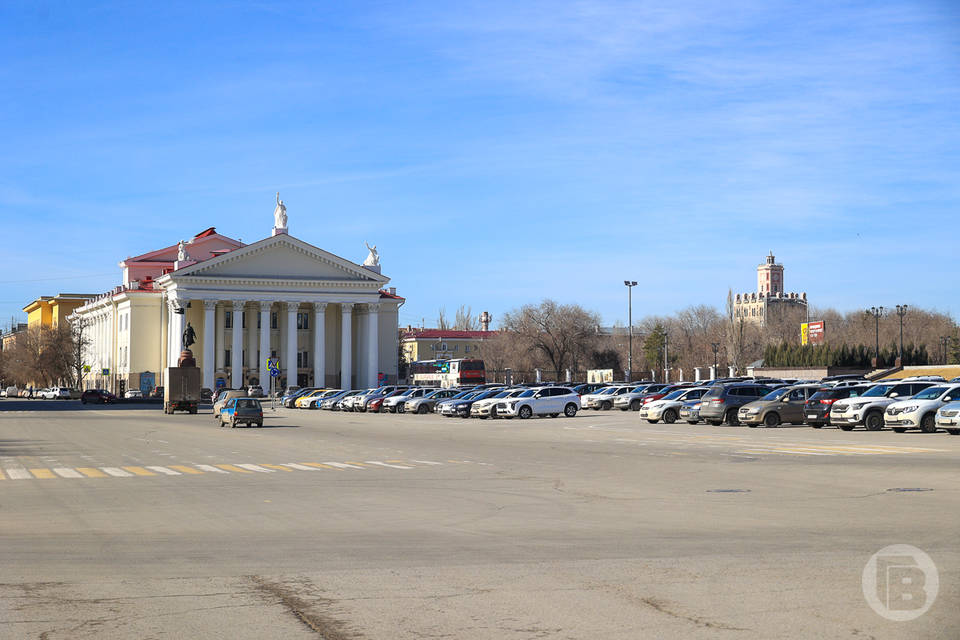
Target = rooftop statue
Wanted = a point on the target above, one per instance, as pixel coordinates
(373, 260)
(280, 214)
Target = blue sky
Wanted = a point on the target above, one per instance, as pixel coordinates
(496, 152)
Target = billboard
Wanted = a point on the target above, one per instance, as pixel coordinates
(600, 375)
(811, 332)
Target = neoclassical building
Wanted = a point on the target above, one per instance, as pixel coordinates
(329, 321)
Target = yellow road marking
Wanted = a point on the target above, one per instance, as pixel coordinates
(2, 477)
(42, 473)
(277, 467)
(184, 469)
(90, 472)
(230, 467)
(139, 471)
(359, 464)
(320, 466)
(396, 461)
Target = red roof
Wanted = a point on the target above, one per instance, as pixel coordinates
(386, 294)
(428, 334)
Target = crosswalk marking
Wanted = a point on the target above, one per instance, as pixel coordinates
(277, 467)
(320, 465)
(385, 464)
(43, 474)
(19, 474)
(2, 476)
(202, 467)
(425, 462)
(65, 472)
(253, 467)
(230, 467)
(190, 470)
(90, 472)
(344, 465)
(139, 471)
(116, 473)
(300, 467)
(164, 470)
(357, 464)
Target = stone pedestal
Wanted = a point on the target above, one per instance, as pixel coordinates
(278, 231)
(186, 359)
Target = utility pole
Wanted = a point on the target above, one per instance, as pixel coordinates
(876, 312)
(666, 356)
(630, 285)
(901, 311)
(716, 349)
(944, 341)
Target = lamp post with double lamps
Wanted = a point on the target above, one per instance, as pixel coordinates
(630, 284)
(901, 311)
(877, 312)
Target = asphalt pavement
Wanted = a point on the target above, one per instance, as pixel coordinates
(122, 522)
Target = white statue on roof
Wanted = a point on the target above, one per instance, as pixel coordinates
(373, 260)
(280, 214)
(182, 254)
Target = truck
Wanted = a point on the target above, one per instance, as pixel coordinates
(182, 391)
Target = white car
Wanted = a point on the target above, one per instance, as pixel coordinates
(542, 401)
(919, 412)
(632, 399)
(487, 408)
(868, 408)
(603, 398)
(352, 403)
(667, 408)
(397, 403)
(133, 393)
(56, 393)
(948, 417)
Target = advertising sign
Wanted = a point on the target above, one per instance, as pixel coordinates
(804, 333)
(599, 375)
(811, 333)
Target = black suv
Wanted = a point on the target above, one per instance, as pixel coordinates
(720, 404)
(816, 411)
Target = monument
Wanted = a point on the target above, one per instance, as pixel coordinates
(372, 261)
(279, 217)
(182, 391)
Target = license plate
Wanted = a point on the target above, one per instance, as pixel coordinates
(812, 416)
(950, 421)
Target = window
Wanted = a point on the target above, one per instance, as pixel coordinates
(302, 360)
(226, 357)
(303, 321)
(273, 319)
(796, 394)
(228, 320)
(456, 347)
(243, 320)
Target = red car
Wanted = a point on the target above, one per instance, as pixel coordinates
(98, 396)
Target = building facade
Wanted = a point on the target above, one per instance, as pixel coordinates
(51, 311)
(327, 320)
(770, 302)
(440, 344)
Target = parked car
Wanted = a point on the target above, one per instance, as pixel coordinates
(97, 396)
(133, 394)
(289, 401)
(255, 391)
(590, 387)
(689, 412)
(460, 393)
(487, 407)
(602, 399)
(867, 409)
(238, 411)
(428, 401)
(351, 403)
(816, 412)
(632, 398)
(460, 406)
(397, 403)
(332, 402)
(206, 394)
(920, 411)
(948, 416)
(721, 404)
(379, 393)
(302, 400)
(57, 393)
(12, 392)
(157, 392)
(783, 405)
(546, 401)
(225, 398)
(668, 407)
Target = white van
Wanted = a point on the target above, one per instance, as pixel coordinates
(12, 392)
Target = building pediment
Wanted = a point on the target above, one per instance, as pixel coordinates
(280, 257)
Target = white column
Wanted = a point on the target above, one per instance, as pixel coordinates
(346, 345)
(236, 347)
(209, 331)
(221, 346)
(264, 345)
(373, 344)
(251, 316)
(179, 321)
(319, 344)
(291, 347)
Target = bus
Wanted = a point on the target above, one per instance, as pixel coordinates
(448, 373)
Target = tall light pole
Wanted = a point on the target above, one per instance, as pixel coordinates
(630, 285)
(944, 341)
(716, 349)
(876, 312)
(901, 311)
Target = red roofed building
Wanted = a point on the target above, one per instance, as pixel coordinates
(434, 344)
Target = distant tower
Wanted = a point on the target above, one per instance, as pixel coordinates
(770, 277)
(485, 319)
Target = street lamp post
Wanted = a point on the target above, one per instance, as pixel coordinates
(716, 349)
(630, 285)
(944, 341)
(901, 311)
(876, 312)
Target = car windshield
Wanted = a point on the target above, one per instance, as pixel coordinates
(931, 393)
(878, 391)
(673, 395)
(527, 394)
(776, 394)
(462, 394)
(605, 390)
(504, 394)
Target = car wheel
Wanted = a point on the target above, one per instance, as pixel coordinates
(771, 420)
(928, 424)
(400, 409)
(554, 415)
(233, 423)
(422, 409)
(606, 406)
(954, 432)
(873, 421)
(731, 418)
(715, 423)
(493, 412)
(525, 412)
(652, 421)
(635, 405)
(691, 422)
(899, 429)
(570, 410)
(669, 416)
(82, 401)
(816, 426)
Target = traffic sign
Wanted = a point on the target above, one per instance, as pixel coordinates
(274, 373)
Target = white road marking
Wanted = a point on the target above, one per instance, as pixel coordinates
(64, 472)
(426, 462)
(115, 472)
(253, 467)
(18, 474)
(342, 465)
(384, 464)
(211, 468)
(301, 467)
(169, 472)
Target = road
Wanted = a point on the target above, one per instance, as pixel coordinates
(120, 522)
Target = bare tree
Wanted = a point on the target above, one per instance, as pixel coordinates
(561, 333)
(442, 323)
(465, 320)
(79, 343)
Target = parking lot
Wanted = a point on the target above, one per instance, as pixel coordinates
(122, 522)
